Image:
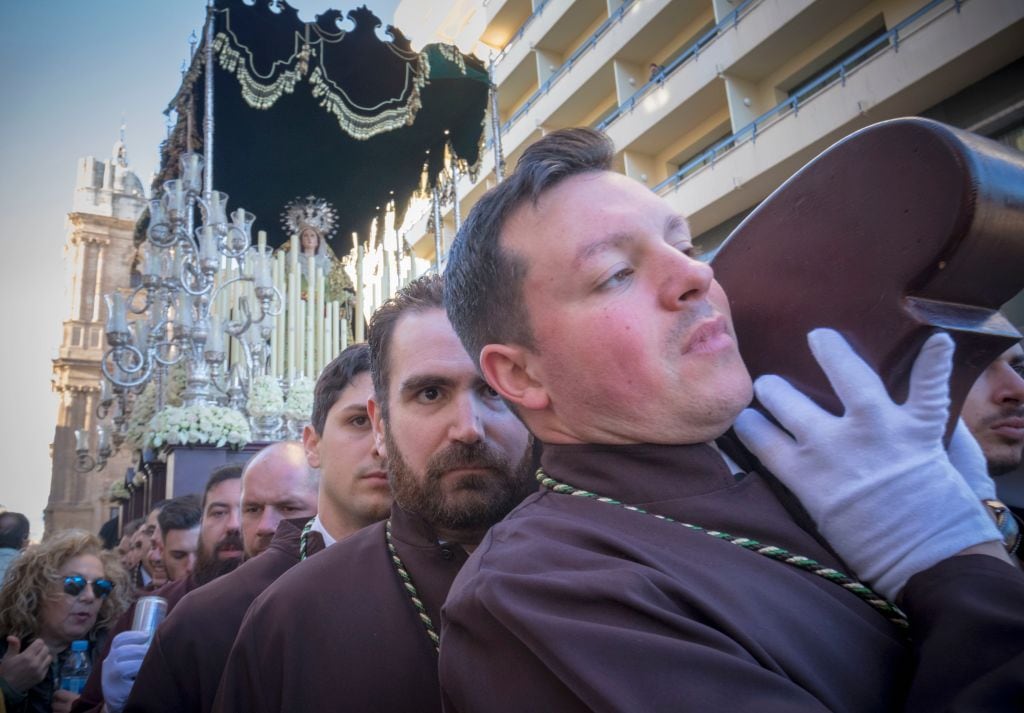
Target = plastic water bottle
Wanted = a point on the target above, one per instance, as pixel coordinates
(76, 667)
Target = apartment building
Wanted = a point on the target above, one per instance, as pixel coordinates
(714, 103)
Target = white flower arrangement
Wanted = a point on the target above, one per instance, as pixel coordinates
(144, 407)
(198, 424)
(265, 397)
(118, 492)
(299, 404)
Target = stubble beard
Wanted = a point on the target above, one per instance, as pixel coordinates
(476, 502)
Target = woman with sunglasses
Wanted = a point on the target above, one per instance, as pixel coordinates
(66, 589)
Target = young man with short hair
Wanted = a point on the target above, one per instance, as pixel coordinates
(339, 466)
(652, 573)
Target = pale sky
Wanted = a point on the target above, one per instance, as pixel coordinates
(71, 70)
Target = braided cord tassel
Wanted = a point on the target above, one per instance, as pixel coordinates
(304, 539)
(887, 609)
(410, 589)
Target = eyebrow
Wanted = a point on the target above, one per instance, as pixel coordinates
(417, 383)
(590, 250)
(674, 224)
(354, 408)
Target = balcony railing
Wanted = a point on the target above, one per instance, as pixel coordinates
(691, 52)
(838, 73)
(590, 42)
(522, 29)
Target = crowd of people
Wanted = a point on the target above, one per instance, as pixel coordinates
(538, 487)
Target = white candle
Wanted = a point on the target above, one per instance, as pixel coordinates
(335, 330)
(117, 316)
(321, 352)
(292, 315)
(207, 243)
(330, 327)
(261, 241)
(273, 352)
(310, 347)
(279, 320)
(229, 342)
(106, 391)
(359, 294)
(215, 340)
(300, 357)
(183, 310)
(102, 438)
(325, 338)
(140, 328)
(293, 254)
(150, 260)
(262, 269)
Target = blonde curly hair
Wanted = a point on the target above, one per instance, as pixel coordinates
(29, 581)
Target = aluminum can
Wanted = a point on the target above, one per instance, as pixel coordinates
(149, 612)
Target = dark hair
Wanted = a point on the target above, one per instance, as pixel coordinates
(483, 283)
(335, 378)
(180, 513)
(420, 295)
(13, 530)
(230, 471)
(132, 526)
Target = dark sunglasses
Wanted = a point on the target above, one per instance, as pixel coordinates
(75, 584)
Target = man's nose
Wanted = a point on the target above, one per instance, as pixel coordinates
(685, 279)
(467, 420)
(269, 520)
(1010, 389)
(234, 524)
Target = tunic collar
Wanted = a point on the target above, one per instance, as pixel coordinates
(639, 473)
(318, 526)
(411, 528)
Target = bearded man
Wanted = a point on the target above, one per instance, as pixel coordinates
(458, 461)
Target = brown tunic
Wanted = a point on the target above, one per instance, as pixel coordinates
(91, 700)
(184, 663)
(339, 632)
(571, 604)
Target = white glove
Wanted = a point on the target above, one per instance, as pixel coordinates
(122, 666)
(966, 456)
(876, 480)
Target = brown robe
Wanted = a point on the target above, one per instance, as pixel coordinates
(339, 632)
(184, 663)
(91, 700)
(571, 604)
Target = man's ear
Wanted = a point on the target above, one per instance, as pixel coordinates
(310, 441)
(373, 410)
(508, 370)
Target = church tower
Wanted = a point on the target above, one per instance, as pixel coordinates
(108, 199)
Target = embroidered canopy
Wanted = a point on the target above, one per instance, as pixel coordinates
(326, 109)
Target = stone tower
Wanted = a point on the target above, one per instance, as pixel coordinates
(107, 201)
